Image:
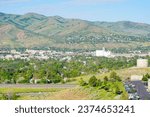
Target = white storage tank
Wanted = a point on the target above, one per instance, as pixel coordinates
(142, 63)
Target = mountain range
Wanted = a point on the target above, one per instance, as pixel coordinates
(33, 30)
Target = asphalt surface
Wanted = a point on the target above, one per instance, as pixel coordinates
(141, 90)
(37, 86)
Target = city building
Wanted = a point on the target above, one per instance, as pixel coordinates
(103, 53)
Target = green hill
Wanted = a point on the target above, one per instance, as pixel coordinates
(35, 30)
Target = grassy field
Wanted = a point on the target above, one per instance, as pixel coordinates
(68, 94)
(78, 93)
(20, 93)
(28, 90)
(123, 73)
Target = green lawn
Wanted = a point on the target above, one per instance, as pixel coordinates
(28, 90)
(123, 73)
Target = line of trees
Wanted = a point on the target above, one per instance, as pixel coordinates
(110, 84)
(56, 70)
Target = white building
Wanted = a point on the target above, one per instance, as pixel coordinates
(14, 52)
(136, 77)
(103, 52)
(149, 84)
(17, 56)
(8, 57)
(142, 63)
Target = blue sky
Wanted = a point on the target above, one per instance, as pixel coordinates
(94, 10)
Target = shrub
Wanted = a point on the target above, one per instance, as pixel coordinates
(9, 96)
(113, 74)
(144, 78)
(82, 82)
(63, 82)
(56, 80)
(99, 83)
(106, 87)
(118, 91)
(93, 81)
(70, 80)
(7, 82)
(42, 81)
(23, 81)
(105, 78)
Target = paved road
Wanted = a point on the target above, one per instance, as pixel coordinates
(37, 86)
(141, 90)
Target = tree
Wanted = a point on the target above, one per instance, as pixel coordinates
(99, 82)
(82, 82)
(147, 76)
(118, 91)
(113, 75)
(144, 78)
(105, 79)
(93, 81)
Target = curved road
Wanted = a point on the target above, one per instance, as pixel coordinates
(37, 86)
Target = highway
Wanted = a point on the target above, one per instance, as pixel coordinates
(37, 86)
(141, 90)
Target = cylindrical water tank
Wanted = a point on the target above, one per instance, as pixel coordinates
(142, 63)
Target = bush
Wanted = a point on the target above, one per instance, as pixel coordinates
(105, 78)
(114, 76)
(118, 91)
(106, 87)
(8, 82)
(42, 81)
(118, 78)
(70, 80)
(23, 81)
(82, 82)
(93, 81)
(63, 82)
(9, 96)
(99, 83)
(144, 78)
(56, 80)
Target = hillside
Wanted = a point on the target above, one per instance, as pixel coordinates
(34, 30)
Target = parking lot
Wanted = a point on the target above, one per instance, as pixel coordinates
(137, 90)
(141, 90)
